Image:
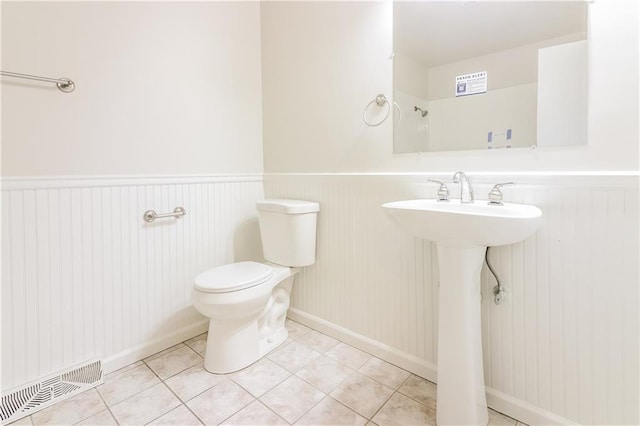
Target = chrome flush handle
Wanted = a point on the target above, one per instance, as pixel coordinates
(443, 191)
(495, 195)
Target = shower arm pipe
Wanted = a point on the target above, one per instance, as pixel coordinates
(65, 85)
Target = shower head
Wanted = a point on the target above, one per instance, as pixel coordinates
(423, 112)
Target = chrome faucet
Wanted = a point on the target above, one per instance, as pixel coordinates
(464, 181)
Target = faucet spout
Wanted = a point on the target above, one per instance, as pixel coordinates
(466, 190)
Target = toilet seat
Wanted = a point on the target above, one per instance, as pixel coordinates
(233, 277)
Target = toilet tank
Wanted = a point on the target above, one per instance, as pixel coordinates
(288, 231)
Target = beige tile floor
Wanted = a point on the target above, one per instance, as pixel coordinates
(312, 379)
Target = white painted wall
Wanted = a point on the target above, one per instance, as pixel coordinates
(410, 76)
(562, 97)
(323, 62)
(162, 88)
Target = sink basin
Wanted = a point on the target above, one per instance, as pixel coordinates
(462, 231)
(465, 224)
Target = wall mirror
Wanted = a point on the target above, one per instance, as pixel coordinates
(472, 75)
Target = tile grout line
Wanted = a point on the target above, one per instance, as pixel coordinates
(311, 408)
(335, 387)
(381, 405)
(144, 363)
(172, 392)
(270, 409)
(237, 411)
(294, 374)
(176, 373)
(184, 403)
(91, 415)
(167, 351)
(389, 397)
(255, 398)
(347, 407)
(229, 378)
(138, 392)
(270, 389)
(123, 369)
(206, 390)
(412, 398)
(113, 416)
(395, 390)
(290, 376)
(326, 394)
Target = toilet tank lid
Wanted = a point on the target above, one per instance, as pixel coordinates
(288, 206)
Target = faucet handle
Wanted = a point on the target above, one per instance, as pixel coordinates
(443, 191)
(495, 195)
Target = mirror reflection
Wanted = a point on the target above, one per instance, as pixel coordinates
(472, 75)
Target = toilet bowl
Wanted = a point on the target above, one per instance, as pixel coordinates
(247, 302)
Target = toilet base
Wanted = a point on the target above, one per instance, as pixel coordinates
(269, 344)
(235, 344)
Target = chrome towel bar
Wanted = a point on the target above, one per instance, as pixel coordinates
(64, 84)
(150, 215)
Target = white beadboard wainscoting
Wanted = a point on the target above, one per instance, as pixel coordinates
(83, 276)
(563, 348)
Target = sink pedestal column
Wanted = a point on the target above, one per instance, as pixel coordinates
(461, 393)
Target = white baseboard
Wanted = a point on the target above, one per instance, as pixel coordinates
(523, 411)
(496, 400)
(129, 356)
(392, 355)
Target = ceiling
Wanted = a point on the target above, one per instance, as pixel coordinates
(441, 32)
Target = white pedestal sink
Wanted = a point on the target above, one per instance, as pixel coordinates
(462, 231)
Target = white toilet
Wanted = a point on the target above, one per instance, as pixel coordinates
(247, 302)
